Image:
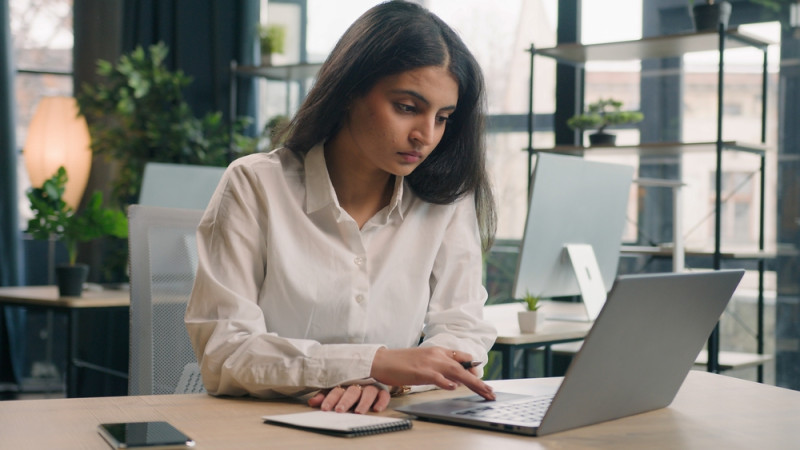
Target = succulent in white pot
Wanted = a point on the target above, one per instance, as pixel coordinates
(530, 319)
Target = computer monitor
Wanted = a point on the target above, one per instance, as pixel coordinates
(573, 232)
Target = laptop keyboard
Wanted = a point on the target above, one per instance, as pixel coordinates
(528, 410)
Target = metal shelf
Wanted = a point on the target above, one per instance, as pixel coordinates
(291, 72)
(671, 46)
(659, 148)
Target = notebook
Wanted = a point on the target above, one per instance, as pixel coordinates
(339, 424)
(634, 359)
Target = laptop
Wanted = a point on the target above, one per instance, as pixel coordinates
(634, 359)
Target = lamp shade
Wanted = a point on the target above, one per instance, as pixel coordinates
(58, 136)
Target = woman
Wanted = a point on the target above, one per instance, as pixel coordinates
(323, 263)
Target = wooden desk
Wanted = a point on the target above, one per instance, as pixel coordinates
(710, 411)
(47, 298)
(510, 340)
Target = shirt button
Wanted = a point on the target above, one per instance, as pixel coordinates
(360, 298)
(359, 260)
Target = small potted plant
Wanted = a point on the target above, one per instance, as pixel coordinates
(273, 128)
(601, 114)
(530, 318)
(272, 39)
(709, 14)
(54, 219)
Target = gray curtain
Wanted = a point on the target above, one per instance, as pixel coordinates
(10, 318)
(203, 37)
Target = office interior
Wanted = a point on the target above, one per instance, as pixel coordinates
(51, 47)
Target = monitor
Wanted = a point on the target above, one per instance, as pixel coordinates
(573, 232)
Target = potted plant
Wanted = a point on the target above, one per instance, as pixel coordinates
(272, 39)
(530, 318)
(272, 129)
(54, 219)
(137, 114)
(601, 114)
(708, 15)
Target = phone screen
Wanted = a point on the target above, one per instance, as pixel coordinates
(144, 435)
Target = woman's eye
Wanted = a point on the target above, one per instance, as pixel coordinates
(402, 107)
(444, 119)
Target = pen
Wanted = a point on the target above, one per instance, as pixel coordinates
(470, 364)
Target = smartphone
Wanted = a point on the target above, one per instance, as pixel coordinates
(149, 435)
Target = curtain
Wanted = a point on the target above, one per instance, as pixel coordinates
(10, 318)
(203, 37)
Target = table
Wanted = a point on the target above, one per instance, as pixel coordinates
(710, 411)
(510, 339)
(47, 298)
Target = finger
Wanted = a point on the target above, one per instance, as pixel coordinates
(349, 398)
(332, 398)
(443, 382)
(382, 401)
(368, 396)
(459, 356)
(317, 399)
(474, 383)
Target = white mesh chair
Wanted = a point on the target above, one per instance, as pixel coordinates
(179, 185)
(163, 256)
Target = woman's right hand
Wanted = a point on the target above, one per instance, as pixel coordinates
(361, 399)
(427, 365)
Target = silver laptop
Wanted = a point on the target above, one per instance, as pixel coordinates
(634, 359)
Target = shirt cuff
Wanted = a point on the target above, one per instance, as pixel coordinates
(340, 364)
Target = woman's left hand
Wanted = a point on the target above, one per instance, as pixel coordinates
(343, 398)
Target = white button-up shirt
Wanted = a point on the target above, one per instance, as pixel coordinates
(291, 296)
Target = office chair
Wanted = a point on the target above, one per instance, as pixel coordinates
(163, 257)
(179, 185)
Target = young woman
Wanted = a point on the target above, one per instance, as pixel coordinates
(323, 264)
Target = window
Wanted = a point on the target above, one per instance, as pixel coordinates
(41, 31)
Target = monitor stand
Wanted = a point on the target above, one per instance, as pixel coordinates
(590, 281)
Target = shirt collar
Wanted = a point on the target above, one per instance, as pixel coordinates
(319, 189)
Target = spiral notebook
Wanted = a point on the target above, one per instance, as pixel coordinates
(339, 424)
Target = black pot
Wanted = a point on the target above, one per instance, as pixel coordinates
(70, 279)
(708, 17)
(602, 139)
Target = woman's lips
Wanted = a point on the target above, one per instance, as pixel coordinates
(411, 157)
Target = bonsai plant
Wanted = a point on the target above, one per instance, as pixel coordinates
(54, 219)
(272, 39)
(601, 114)
(530, 318)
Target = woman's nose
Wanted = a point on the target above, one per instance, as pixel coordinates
(424, 131)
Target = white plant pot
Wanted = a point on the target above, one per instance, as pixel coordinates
(528, 321)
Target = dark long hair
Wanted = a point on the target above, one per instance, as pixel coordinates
(392, 38)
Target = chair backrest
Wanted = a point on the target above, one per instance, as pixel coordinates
(163, 256)
(179, 185)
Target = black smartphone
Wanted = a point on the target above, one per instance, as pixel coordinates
(149, 435)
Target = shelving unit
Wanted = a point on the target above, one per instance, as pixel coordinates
(672, 46)
(285, 73)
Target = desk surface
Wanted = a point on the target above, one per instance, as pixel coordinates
(504, 318)
(710, 411)
(48, 296)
